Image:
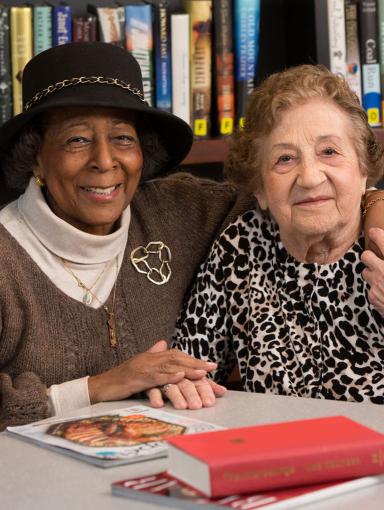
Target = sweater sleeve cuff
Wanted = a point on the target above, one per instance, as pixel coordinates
(22, 400)
(68, 396)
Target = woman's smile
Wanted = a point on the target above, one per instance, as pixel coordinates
(311, 202)
(101, 194)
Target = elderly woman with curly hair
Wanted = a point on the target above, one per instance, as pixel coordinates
(282, 294)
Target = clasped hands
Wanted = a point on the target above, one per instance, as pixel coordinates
(150, 371)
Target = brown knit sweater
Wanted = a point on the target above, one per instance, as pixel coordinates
(47, 338)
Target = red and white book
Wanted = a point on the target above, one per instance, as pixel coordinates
(274, 456)
(164, 490)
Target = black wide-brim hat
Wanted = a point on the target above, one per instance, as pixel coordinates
(94, 74)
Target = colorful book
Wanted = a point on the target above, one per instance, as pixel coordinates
(246, 29)
(42, 28)
(223, 70)
(353, 70)
(277, 455)
(162, 48)
(121, 436)
(139, 42)
(380, 10)
(164, 490)
(370, 61)
(62, 24)
(21, 50)
(336, 35)
(111, 23)
(84, 28)
(5, 67)
(200, 12)
(180, 66)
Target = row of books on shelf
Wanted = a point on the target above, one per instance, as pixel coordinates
(351, 42)
(278, 466)
(199, 64)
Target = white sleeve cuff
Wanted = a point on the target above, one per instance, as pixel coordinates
(68, 396)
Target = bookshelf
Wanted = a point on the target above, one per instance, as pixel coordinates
(278, 25)
(287, 37)
(210, 151)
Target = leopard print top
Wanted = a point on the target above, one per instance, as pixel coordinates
(293, 328)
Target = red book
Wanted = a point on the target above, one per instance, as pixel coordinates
(277, 455)
(163, 490)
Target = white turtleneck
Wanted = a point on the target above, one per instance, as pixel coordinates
(49, 240)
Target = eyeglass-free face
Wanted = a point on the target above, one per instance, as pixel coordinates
(90, 162)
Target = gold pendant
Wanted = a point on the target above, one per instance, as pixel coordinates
(112, 330)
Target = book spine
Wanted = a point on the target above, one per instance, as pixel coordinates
(78, 23)
(246, 28)
(180, 66)
(224, 80)
(111, 27)
(336, 35)
(370, 61)
(90, 28)
(162, 45)
(139, 42)
(84, 29)
(322, 30)
(312, 467)
(352, 47)
(5, 67)
(42, 28)
(380, 10)
(21, 50)
(200, 12)
(62, 26)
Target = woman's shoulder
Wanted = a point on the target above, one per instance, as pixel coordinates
(253, 224)
(187, 185)
(250, 235)
(198, 204)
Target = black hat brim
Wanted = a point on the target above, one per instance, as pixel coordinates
(174, 134)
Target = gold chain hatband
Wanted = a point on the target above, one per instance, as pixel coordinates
(83, 80)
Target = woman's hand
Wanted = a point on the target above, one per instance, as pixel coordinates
(188, 394)
(374, 217)
(155, 367)
(373, 274)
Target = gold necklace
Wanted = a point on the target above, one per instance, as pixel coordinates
(111, 323)
(88, 294)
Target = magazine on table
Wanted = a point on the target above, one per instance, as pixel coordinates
(120, 436)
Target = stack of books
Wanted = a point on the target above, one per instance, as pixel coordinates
(278, 466)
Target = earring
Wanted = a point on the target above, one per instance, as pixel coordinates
(39, 181)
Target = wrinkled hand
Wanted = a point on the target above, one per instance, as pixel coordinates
(155, 367)
(188, 394)
(373, 274)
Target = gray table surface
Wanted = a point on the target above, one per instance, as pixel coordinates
(35, 478)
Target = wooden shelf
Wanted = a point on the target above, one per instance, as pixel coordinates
(210, 151)
(380, 135)
(215, 150)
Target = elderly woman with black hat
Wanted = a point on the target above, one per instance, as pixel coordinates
(94, 267)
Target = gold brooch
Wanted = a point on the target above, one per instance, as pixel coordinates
(141, 256)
